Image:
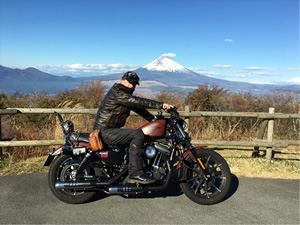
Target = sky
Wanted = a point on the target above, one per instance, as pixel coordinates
(254, 41)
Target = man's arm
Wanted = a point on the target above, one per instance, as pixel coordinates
(137, 102)
(144, 113)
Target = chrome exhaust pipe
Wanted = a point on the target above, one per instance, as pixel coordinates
(75, 185)
(84, 184)
(125, 189)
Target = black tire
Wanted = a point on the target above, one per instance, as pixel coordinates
(212, 190)
(60, 170)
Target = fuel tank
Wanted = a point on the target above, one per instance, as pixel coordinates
(155, 128)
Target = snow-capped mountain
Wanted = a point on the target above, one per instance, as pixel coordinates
(165, 72)
(164, 63)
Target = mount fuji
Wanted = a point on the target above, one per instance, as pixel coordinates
(164, 63)
(165, 72)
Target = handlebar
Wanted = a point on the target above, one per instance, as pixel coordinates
(173, 112)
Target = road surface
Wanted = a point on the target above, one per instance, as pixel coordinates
(27, 199)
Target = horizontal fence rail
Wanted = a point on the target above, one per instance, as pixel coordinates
(267, 124)
(259, 115)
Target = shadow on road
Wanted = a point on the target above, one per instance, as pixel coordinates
(172, 191)
(233, 187)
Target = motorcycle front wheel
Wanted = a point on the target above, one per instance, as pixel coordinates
(62, 169)
(214, 187)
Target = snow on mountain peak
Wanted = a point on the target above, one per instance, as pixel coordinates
(165, 63)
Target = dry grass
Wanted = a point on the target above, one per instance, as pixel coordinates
(32, 165)
(285, 164)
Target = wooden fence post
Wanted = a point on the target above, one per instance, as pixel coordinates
(1, 153)
(187, 118)
(269, 154)
(260, 135)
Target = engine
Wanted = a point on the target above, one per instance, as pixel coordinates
(155, 155)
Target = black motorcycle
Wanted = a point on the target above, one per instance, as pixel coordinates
(78, 172)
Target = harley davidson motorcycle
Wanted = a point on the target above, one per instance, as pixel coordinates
(78, 172)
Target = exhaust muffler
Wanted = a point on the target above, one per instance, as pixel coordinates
(125, 189)
(85, 184)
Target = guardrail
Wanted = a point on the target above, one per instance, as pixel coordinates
(267, 124)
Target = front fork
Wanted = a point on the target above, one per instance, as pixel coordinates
(196, 159)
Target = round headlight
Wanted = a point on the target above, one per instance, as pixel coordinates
(68, 126)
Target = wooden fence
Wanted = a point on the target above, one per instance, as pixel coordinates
(267, 124)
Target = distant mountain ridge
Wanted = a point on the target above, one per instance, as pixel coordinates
(32, 80)
(160, 73)
(29, 74)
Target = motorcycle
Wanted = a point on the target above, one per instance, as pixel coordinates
(78, 172)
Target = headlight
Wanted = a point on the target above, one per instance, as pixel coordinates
(68, 126)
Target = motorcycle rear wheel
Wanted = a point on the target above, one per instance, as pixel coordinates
(61, 170)
(211, 190)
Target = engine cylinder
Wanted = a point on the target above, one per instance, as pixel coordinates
(150, 151)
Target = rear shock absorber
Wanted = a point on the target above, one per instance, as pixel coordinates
(82, 164)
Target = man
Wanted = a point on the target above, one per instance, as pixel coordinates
(112, 115)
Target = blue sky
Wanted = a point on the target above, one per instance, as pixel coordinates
(243, 40)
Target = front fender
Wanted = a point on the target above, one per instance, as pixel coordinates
(183, 160)
(189, 153)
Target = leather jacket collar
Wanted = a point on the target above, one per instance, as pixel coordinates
(126, 89)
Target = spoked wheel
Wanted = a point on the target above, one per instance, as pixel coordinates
(63, 169)
(212, 188)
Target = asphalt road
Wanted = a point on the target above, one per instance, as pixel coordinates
(26, 199)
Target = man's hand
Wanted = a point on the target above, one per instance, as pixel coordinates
(167, 107)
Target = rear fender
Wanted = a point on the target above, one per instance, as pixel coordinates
(51, 156)
(57, 151)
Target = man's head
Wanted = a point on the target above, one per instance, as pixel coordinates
(131, 77)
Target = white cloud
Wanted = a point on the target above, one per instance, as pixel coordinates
(295, 80)
(293, 68)
(169, 55)
(222, 66)
(86, 69)
(259, 82)
(228, 40)
(258, 68)
(77, 66)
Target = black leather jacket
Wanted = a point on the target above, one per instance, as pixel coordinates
(116, 106)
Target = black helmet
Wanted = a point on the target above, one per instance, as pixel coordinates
(131, 77)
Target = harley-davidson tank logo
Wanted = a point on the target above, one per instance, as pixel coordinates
(104, 154)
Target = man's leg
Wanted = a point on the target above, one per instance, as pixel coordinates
(135, 137)
(136, 150)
